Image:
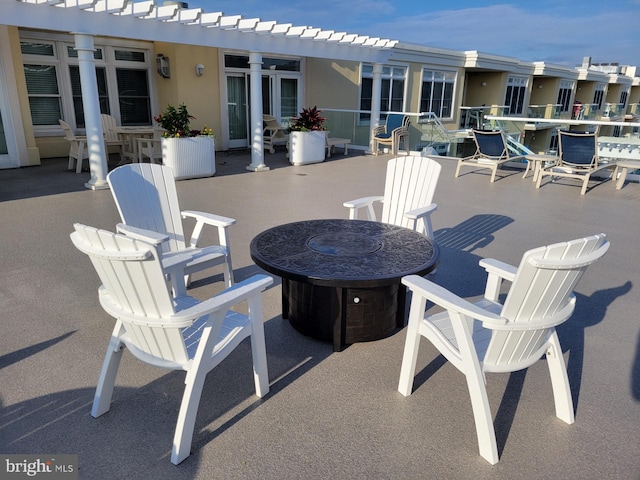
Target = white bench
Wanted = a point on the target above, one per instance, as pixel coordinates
(332, 142)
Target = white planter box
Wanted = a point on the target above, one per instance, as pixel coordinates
(189, 157)
(307, 147)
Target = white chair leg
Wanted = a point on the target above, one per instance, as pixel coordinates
(482, 417)
(258, 348)
(107, 380)
(187, 416)
(228, 271)
(411, 345)
(560, 381)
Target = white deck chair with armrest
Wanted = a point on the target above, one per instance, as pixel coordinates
(146, 197)
(78, 149)
(174, 333)
(410, 184)
(489, 337)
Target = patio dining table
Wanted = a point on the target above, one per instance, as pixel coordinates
(129, 136)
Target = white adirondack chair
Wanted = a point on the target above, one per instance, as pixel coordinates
(78, 149)
(173, 333)
(111, 136)
(489, 337)
(146, 197)
(408, 194)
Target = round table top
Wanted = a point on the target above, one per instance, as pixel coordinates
(343, 253)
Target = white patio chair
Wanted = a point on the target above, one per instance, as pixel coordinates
(78, 150)
(111, 136)
(491, 152)
(146, 197)
(408, 194)
(173, 333)
(489, 337)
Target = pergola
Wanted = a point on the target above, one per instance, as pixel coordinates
(144, 20)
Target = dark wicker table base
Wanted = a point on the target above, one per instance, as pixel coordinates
(343, 315)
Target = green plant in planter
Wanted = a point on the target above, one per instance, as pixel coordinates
(308, 120)
(176, 122)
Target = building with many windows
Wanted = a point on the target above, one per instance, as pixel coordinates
(60, 60)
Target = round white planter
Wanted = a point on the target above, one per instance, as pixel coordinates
(307, 147)
(189, 157)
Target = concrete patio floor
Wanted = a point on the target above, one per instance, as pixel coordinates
(328, 415)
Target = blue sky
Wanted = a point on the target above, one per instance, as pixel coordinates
(559, 32)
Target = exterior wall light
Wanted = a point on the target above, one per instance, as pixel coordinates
(199, 69)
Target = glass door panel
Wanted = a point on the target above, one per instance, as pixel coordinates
(237, 110)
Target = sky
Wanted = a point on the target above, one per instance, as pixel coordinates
(560, 32)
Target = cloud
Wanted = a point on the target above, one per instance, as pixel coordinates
(527, 35)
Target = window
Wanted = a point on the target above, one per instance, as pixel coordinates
(516, 90)
(598, 96)
(53, 81)
(392, 92)
(564, 95)
(437, 93)
(42, 82)
(624, 95)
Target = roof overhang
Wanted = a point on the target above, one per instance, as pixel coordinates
(475, 60)
(549, 70)
(146, 21)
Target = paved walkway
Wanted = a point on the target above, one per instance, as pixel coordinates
(329, 415)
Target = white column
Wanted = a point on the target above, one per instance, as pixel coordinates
(257, 146)
(376, 94)
(91, 108)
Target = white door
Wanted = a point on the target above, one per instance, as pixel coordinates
(280, 98)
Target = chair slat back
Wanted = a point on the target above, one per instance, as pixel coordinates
(109, 125)
(490, 144)
(146, 197)
(578, 149)
(410, 183)
(272, 128)
(134, 291)
(66, 129)
(541, 296)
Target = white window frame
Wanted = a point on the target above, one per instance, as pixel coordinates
(390, 72)
(62, 62)
(565, 92)
(521, 84)
(599, 94)
(447, 74)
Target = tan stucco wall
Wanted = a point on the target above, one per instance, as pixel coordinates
(201, 94)
(332, 84)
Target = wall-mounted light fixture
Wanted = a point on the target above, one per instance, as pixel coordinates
(162, 65)
(540, 86)
(199, 69)
(483, 84)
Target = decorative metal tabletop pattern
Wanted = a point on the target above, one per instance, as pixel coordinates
(341, 252)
